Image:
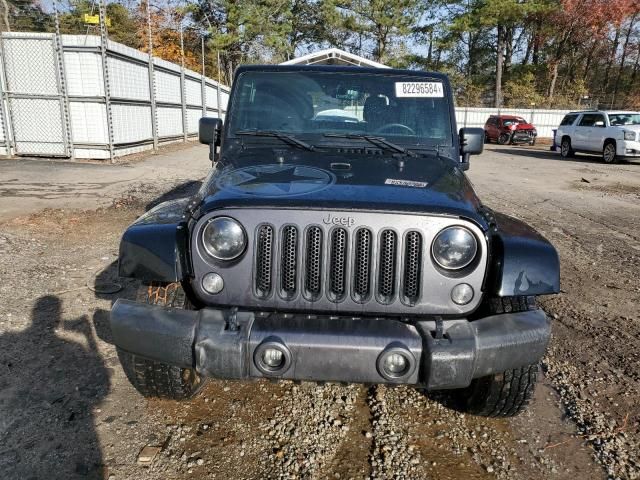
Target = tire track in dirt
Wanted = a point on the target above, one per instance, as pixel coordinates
(593, 359)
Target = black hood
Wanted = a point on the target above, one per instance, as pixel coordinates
(346, 179)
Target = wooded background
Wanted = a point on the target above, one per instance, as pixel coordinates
(512, 53)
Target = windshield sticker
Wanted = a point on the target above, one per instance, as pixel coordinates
(405, 183)
(276, 180)
(419, 90)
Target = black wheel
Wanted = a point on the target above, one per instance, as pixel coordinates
(486, 138)
(565, 148)
(532, 142)
(157, 379)
(504, 394)
(504, 138)
(609, 154)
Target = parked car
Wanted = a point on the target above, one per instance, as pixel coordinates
(339, 251)
(613, 134)
(509, 129)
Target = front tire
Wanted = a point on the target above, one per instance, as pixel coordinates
(157, 379)
(565, 148)
(504, 394)
(504, 138)
(609, 154)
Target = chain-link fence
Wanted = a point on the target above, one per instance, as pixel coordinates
(85, 96)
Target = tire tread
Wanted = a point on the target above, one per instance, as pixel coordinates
(157, 379)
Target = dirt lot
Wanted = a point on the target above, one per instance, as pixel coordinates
(67, 411)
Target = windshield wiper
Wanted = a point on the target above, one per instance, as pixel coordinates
(279, 135)
(377, 141)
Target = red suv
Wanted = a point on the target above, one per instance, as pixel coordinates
(509, 129)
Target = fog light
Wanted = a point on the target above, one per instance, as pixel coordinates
(462, 294)
(273, 358)
(212, 283)
(395, 364)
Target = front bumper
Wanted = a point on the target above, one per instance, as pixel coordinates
(522, 136)
(628, 149)
(226, 344)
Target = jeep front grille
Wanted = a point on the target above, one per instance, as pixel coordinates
(387, 269)
(346, 266)
(264, 252)
(362, 266)
(313, 263)
(289, 261)
(412, 261)
(338, 262)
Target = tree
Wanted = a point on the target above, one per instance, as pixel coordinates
(23, 16)
(378, 22)
(124, 22)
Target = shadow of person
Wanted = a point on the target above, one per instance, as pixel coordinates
(51, 380)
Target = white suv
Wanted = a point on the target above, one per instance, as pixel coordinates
(614, 135)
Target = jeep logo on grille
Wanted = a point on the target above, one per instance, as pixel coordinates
(344, 221)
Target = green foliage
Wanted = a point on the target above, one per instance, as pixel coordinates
(372, 25)
(522, 92)
(548, 52)
(124, 22)
(25, 16)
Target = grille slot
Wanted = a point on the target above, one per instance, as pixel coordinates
(362, 266)
(338, 265)
(387, 268)
(264, 252)
(313, 263)
(289, 261)
(412, 267)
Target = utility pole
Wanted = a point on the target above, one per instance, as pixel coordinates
(204, 82)
(183, 89)
(219, 85)
(152, 81)
(102, 15)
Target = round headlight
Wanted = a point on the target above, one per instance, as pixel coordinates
(224, 238)
(454, 248)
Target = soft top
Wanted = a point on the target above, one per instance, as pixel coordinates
(338, 69)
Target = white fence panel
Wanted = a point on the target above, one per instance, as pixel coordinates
(167, 87)
(128, 80)
(84, 74)
(89, 123)
(193, 90)
(33, 71)
(211, 94)
(131, 123)
(224, 98)
(23, 57)
(169, 121)
(193, 116)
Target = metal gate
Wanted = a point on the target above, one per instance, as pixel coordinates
(34, 94)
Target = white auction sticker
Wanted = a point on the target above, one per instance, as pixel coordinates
(405, 183)
(419, 90)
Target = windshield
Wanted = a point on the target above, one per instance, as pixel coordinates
(409, 110)
(513, 121)
(618, 119)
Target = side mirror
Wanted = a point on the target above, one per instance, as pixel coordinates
(210, 131)
(471, 143)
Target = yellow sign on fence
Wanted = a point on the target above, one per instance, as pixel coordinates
(94, 19)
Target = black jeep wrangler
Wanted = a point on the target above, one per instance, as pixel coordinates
(337, 239)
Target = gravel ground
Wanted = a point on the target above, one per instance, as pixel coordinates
(67, 410)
